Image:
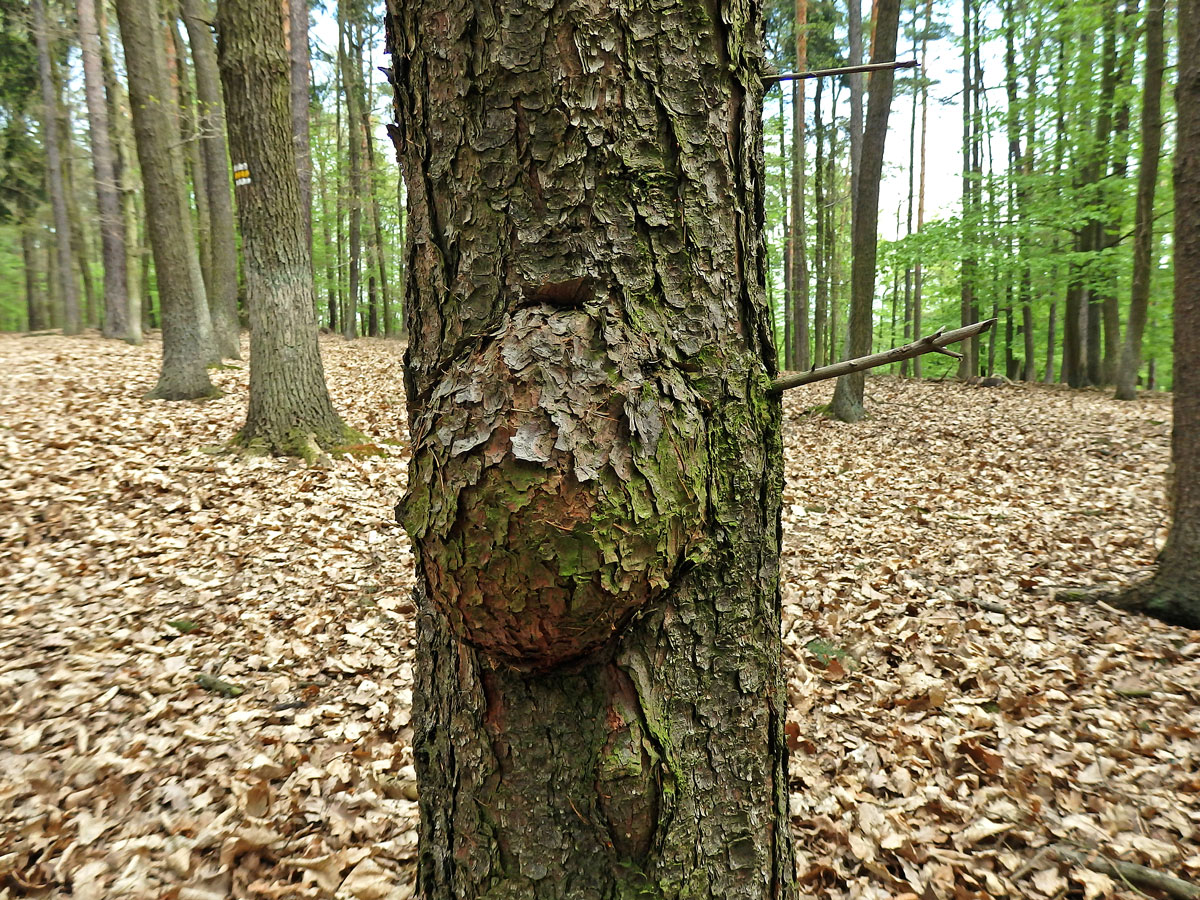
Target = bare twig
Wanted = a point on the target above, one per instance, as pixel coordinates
(769, 80)
(1130, 873)
(933, 343)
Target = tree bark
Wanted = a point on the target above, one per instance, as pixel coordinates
(223, 280)
(918, 272)
(968, 265)
(801, 339)
(68, 289)
(108, 204)
(1143, 228)
(297, 31)
(596, 463)
(187, 334)
(35, 299)
(350, 57)
(1173, 593)
(290, 412)
(855, 125)
(820, 260)
(847, 404)
(126, 177)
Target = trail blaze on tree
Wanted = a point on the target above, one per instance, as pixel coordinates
(596, 463)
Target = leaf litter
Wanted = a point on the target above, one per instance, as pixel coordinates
(206, 661)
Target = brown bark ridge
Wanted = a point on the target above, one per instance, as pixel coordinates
(1174, 592)
(108, 203)
(596, 471)
(1143, 228)
(290, 412)
(187, 335)
(68, 290)
(847, 403)
(223, 278)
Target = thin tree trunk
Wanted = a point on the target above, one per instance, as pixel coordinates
(223, 280)
(821, 311)
(187, 335)
(377, 228)
(67, 288)
(128, 185)
(1143, 233)
(912, 176)
(801, 340)
(854, 20)
(351, 64)
(108, 203)
(193, 159)
(968, 266)
(35, 300)
(788, 240)
(917, 269)
(290, 412)
(297, 32)
(847, 404)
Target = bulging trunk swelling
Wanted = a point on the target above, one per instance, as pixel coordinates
(290, 411)
(596, 465)
(187, 333)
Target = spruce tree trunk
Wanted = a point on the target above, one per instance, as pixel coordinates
(596, 464)
(223, 280)
(847, 404)
(68, 290)
(290, 412)
(1143, 227)
(187, 335)
(108, 203)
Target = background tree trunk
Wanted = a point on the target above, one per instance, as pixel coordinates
(350, 56)
(68, 290)
(847, 404)
(187, 334)
(1143, 228)
(1173, 594)
(801, 340)
(108, 204)
(223, 280)
(290, 412)
(599, 701)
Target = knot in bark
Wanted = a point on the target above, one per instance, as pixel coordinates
(558, 481)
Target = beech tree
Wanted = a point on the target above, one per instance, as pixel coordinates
(596, 470)
(290, 411)
(187, 331)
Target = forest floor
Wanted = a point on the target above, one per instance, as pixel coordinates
(948, 718)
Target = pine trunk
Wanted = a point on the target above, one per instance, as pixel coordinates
(187, 337)
(596, 463)
(223, 280)
(290, 412)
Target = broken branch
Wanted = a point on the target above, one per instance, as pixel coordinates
(1130, 873)
(769, 80)
(932, 343)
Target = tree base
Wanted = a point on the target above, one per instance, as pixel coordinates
(311, 446)
(1175, 601)
(174, 392)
